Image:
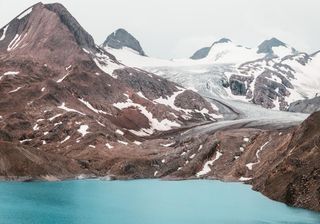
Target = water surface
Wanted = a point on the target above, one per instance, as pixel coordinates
(142, 202)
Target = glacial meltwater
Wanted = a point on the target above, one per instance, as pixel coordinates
(142, 202)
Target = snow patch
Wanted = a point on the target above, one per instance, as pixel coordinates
(206, 168)
(119, 132)
(106, 64)
(60, 80)
(4, 33)
(155, 124)
(11, 73)
(100, 123)
(25, 140)
(27, 12)
(64, 140)
(57, 123)
(141, 95)
(246, 139)
(122, 142)
(250, 165)
(109, 146)
(87, 104)
(36, 127)
(83, 130)
(63, 107)
(15, 42)
(245, 178)
(54, 117)
(168, 145)
(15, 90)
(137, 142)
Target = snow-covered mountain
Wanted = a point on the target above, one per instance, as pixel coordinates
(225, 51)
(273, 75)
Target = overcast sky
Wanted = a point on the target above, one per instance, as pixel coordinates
(176, 28)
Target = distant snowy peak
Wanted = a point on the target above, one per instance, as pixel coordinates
(275, 48)
(123, 39)
(203, 52)
(225, 51)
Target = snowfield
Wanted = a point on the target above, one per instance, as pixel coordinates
(208, 75)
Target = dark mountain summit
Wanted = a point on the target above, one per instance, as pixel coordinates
(83, 38)
(203, 52)
(121, 38)
(267, 45)
(221, 41)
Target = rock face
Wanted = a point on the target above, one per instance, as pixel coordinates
(222, 41)
(267, 45)
(275, 48)
(305, 106)
(295, 178)
(201, 53)
(276, 83)
(27, 163)
(83, 38)
(121, 38)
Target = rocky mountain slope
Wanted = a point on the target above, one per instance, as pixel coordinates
(305, 106)
(61, 93)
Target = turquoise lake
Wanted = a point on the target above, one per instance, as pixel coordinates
(142, 202)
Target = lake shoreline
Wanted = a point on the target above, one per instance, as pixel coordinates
(151, 201)
(83, 177)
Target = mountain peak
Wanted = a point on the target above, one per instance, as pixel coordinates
(222, 41)
(47, 32)
(40, 16)
(122, 38)
(203, 52)
(83, 38)
(267, 45)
